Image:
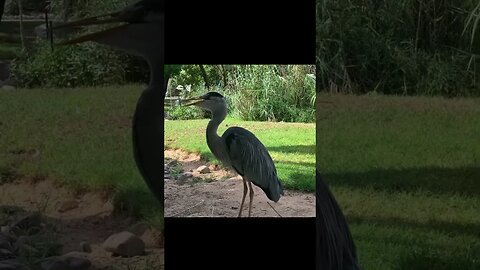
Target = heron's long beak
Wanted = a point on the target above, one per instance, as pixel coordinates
(193, 101)
(96, 20)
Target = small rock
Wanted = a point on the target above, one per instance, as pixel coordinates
(65, 263)
(203, 169)
(12, 264)
(54, 263)
(85, 247)
(68, 205)
(125, 244)
(214, 167)
(184, 176)
(75, 263)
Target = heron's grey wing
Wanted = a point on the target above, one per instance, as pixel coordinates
(250, 159)
(335, 247)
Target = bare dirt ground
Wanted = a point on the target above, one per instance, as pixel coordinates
(219, 193)
(89, 220)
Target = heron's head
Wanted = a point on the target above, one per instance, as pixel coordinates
(211, 101)
(139, 29)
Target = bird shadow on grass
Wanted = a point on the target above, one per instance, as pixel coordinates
(423, 255)
(461, 181)
(435, 180)
(431, 225)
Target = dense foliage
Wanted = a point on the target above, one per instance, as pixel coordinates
(398, 47)
(71, 66)
(85, 64)
(254, 92)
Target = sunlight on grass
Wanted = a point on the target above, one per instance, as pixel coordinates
(406, 172)
(291, 145)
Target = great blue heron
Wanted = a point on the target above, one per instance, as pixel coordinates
(335, 246)
(141, 34)
(239, 149)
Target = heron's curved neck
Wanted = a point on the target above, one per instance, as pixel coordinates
(213, 140)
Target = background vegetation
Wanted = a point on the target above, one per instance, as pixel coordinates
(253, 92)
(87, 64)
(409, 47)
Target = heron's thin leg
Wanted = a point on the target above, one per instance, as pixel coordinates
(244, 195)
(251, 198)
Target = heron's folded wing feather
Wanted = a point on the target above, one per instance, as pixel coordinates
(249, 157)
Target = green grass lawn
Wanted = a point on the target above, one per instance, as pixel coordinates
(291, 145)
(82, 138)
(406, 172)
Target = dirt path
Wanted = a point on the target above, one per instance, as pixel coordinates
(91, 221)
(219, 193)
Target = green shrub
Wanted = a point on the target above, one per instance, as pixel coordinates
(185, 113)
(70, 66)
(253, 92)
(446, 76)
(273, 93)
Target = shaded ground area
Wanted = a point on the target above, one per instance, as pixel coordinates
(85, 217)
(218, 193)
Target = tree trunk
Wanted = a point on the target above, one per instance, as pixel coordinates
(20, 11)
(2, 8)
(205, 77)
(167, 78)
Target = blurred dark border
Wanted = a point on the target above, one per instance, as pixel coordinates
(245, 243)
(240, 32)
